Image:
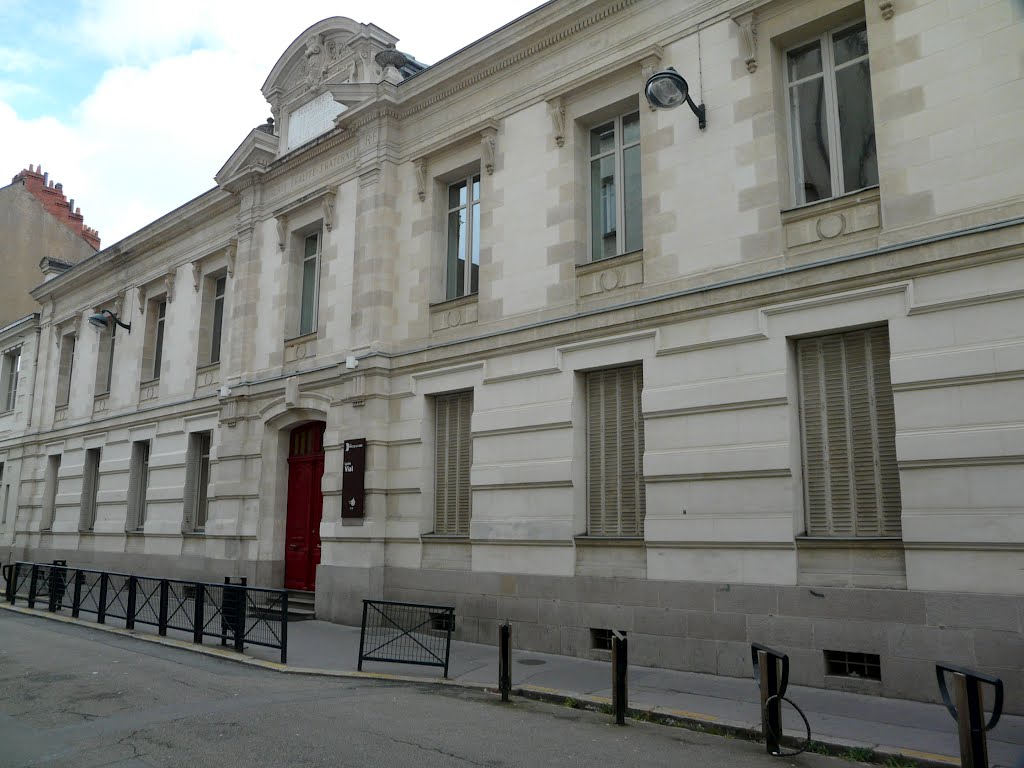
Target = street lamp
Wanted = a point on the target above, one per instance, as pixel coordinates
(100, 322)
(668, 89)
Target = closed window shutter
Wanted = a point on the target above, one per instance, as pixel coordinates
(188, 522)
(453, 459)
(851, 479)
(615, 448)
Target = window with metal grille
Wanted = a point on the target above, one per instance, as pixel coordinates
(615, 451)
(197, 480)
(90, 489)
(453, 458)
(851, 479)
(852, 664)
(138, 482)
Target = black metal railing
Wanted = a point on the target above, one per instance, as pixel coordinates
(406, 633)
(235, 614)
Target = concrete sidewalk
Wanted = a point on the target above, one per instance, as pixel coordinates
(915, 729)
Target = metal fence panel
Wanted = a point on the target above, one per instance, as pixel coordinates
(406, 633)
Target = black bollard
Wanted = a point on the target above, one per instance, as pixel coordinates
(967, 708)
(620, 666)
(505, 660)
(772, 683)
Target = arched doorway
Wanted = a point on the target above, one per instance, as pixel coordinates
(305, 505)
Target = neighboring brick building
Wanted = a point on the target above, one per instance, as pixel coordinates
(37, 222)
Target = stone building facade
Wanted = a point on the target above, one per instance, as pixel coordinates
(496, 333)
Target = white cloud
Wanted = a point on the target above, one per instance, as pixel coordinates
(183, 92)
(18, 60)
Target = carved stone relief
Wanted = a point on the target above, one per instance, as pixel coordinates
(488, 147)
(282, 231)
(421, 177)
(748, 39)
(327, 204)
(557, 109)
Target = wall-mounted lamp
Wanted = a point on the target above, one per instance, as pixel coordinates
(100, 322)
(668, 89)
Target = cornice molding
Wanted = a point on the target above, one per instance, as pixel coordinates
(479, 73)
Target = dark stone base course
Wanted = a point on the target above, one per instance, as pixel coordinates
(708, 627)
(693, 626)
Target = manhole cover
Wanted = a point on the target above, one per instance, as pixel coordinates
(531, 662)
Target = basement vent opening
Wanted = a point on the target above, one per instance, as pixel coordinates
(866, 666)
(601, 639)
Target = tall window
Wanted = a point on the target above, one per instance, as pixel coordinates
(615, 450)
(90, 489)
(310, 283)
(453, 458)
(851, 479)
(65, 368)
(138, 486)
(9, 382)
(218, 317)
(105, 361)
(50, 481)
(197, 480)
(158, 349)
(616, 216)
(831, 122)
(462, 276)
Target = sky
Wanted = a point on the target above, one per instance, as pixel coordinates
(134, 105)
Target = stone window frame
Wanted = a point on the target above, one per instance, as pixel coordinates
(589, 124)
(67, 344)
(777, 32)
(623, 529)
(473, 183)
(195, 515)
(155, 339)
(820, 522)
(11, 372)
(453, 168)
(51, 484)
(207, 316)
(139, 470)
(453, 522)
(90, 488)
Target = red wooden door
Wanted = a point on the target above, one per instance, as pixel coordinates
(305, 506)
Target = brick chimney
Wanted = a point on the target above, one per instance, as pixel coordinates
(51, 195)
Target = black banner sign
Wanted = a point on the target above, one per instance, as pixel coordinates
(353, 479)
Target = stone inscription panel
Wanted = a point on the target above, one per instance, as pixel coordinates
(312, 118)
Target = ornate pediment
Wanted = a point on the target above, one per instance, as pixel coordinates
(334, 52)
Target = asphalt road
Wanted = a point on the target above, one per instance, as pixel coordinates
(77, 697)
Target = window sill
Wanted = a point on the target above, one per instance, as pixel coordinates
(609, 541)
(845, 542)
(825, 223)
(208, 367)
(7, 412)
(446, 538)
(101, 396)
(610, 261)
(454, 312)
(300, 348)
(615, 273)
(304, 338)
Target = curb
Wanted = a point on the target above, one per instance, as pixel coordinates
(657, 715)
